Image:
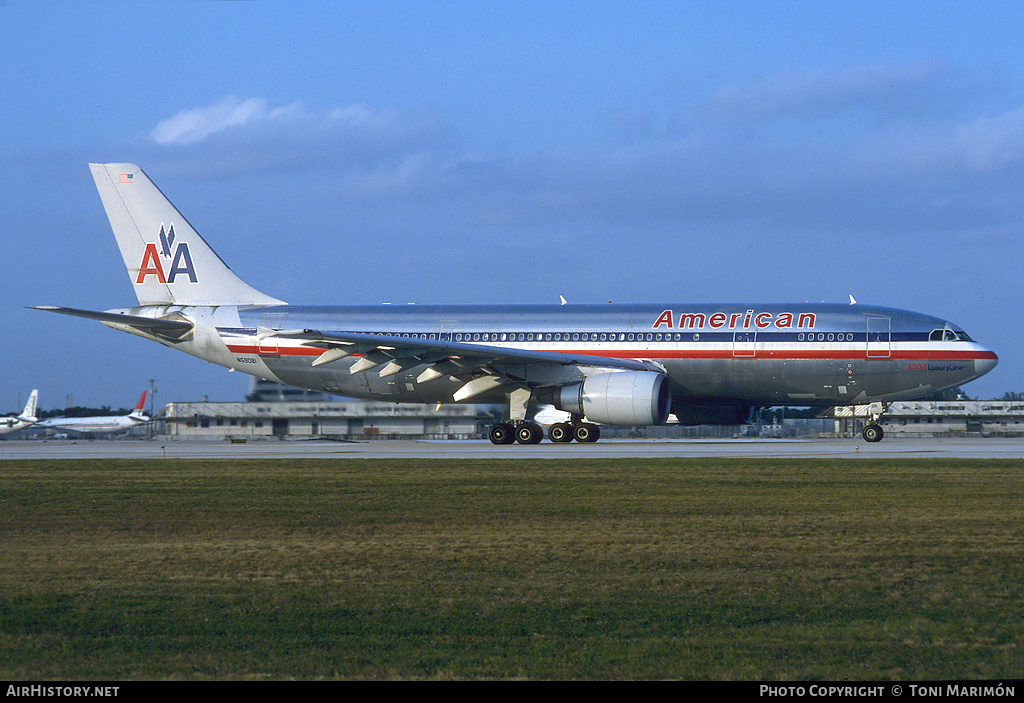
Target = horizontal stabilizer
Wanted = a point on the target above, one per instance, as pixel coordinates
(160, 326)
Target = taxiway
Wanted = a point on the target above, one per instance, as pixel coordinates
(891, 448)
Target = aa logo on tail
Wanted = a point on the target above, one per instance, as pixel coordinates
(180, 259)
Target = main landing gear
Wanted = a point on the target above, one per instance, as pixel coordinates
(532, 433)
(873, 431)
(584, 432)
(518, 429)
(522, 432)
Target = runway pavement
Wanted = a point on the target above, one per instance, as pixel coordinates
(898, 448)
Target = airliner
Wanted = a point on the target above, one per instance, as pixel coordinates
(26, 419)
(101, 424)
(604, 364)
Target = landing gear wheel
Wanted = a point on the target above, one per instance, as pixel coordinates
(501, 434)
(560, 432)
(873, 433)
(587, 432)
(529, 433)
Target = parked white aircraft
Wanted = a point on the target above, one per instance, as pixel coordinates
(26, 419)
(100, 424)
(631, 364)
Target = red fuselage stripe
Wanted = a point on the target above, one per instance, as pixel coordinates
(856, 354)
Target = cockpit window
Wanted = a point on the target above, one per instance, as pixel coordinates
(948, 335)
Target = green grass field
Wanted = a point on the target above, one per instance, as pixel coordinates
(604, 569)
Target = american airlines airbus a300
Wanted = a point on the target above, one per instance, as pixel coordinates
(603, 364)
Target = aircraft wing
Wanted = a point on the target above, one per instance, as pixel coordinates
(482, 366)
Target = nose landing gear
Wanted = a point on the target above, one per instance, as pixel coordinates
(873, 433)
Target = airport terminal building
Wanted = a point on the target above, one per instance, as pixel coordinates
(368, 420)
(938, 418)
(305, 419)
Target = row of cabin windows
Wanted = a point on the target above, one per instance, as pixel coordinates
(569, 337)
(622, 337)
(940, 335)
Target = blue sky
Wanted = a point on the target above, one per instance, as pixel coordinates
(470, 152)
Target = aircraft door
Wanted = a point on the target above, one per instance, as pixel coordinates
(744, 345)
(879, 337)
(266, 344)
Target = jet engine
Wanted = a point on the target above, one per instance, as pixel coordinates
(618, 398)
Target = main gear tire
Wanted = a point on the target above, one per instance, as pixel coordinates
(501, 434)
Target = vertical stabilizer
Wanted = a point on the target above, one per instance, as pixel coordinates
(138, 413)
(167, 261)
(29, 413)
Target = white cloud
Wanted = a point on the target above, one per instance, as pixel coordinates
(946, 155)
(256, 117)
(990, 144)
(831, 172)
(370, 151)
(412, 173)
(196, 124)
(818, 91)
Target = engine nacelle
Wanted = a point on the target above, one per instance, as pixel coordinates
(618, 398)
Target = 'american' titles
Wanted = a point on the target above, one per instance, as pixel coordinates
(735, 320)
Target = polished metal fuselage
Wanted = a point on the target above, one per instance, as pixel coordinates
(743, 354)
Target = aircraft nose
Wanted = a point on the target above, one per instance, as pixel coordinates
(986, 362)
